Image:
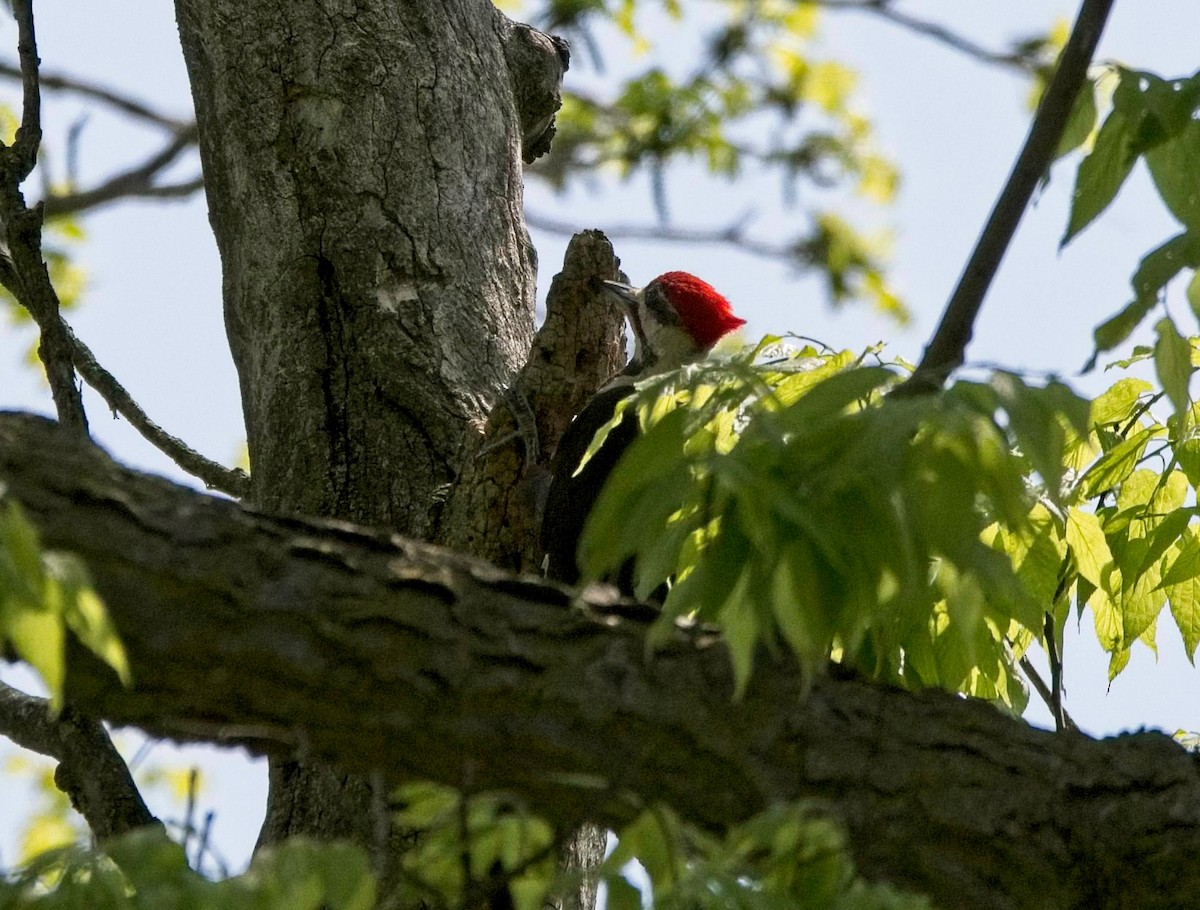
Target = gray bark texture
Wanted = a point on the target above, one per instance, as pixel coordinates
(363, 166)
(376, 653)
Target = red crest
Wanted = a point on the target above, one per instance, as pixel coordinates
(706, 314)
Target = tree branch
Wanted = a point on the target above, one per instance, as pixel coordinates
(23, 231)
(90, 770)
(137, 181)
(493, 510)
(111, 97)
(231, 481)
(947, 348)
(885, 9)
(338, 643)
(734, 235)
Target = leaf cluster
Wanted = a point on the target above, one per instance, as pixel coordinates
(45, 594)
(793, 502)
(144, 870)
(467, 849)
(1152, 120)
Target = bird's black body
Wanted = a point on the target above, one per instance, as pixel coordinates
(676, 319)
(572, 495)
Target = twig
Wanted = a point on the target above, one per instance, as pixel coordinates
(137, 181)
(939, 33)
(111, 97)
(231, 481)
(90, 770)
(23, 231)
(734, 235)
(947, 347)
(1062, 720)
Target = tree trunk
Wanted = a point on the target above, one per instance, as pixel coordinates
(363, 165)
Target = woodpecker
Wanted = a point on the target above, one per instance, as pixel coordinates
(676, 319)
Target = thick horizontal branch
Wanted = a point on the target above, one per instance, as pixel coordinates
(366, 650)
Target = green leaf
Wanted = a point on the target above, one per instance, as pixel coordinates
(1173, 365)
(1107, 620)
(1086, 539)
(1035, 416)
(621, 894)
(624, 516)
(1118, 402)
(1174, 166)
(1168, 533)
(1037, 554)
(1117, 662)
(38, 636)
(1185, 566)
(1101, 173)
(1155, 270)
(834, 395)
(22, 555)
(1082, 121)
(1184, 598)
(1116, 464)
(742, 632)
(1140, 600)
(1188, 455)
(85, 614)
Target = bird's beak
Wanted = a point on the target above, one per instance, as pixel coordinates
(628, 295)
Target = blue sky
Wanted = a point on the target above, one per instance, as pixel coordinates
(152, 310)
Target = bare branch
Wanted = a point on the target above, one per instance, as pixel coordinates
(90, 770)
(137, 181)
(885, 9)
(23, 232)
(947, 348)
(231, 481)
(734, 236)
(111, 97)
(29, 134)
(1062, 720)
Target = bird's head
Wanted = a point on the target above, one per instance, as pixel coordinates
(676, 319)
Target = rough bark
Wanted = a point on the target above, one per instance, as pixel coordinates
(359, 647)
(90, 770)
(493, 511)
(363, 170)
(363, 166)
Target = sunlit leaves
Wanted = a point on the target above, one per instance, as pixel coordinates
(794, 504)
(42, 595)
(1173, 365)
(1154, 272)
(839, 519)
(791, 856)
(144, 870)
(467, 847)
(755, 96)
(1154, 119)
(1082, 123)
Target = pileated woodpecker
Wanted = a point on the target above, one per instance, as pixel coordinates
(676, 319)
